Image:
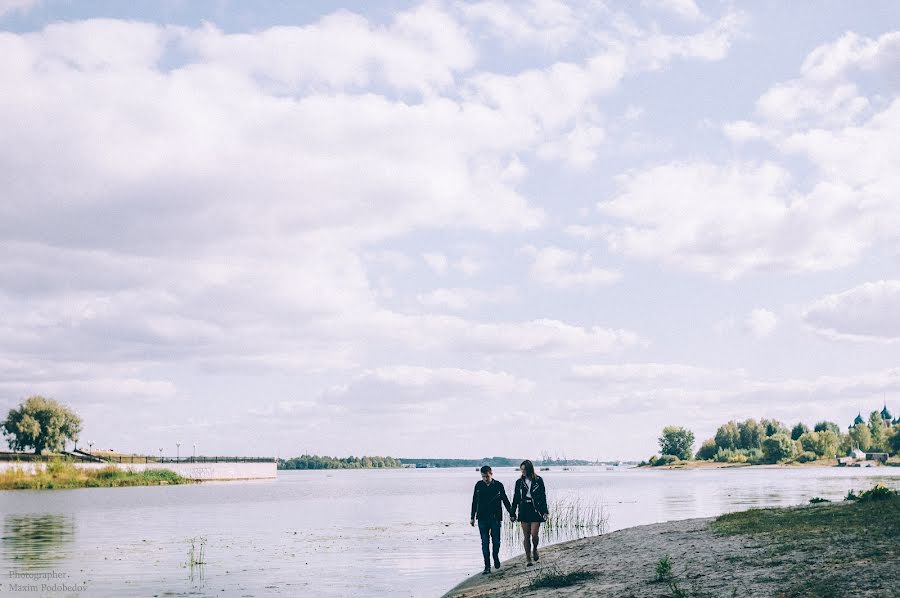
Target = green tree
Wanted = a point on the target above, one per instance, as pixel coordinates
(799, 430)
(894, 440)
(676, 441)
(878, 431)
(778, 447)
(728, 436)
(41, 424)
(773, 426)
(823, 444)
(860, 437)
(826, 425)
(750, 434)
(708, 450)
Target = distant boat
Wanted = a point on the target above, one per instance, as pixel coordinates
(545, 469)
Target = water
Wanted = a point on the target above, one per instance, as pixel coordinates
(339, 533)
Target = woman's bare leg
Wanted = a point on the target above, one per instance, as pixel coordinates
(535, 533)
(526, 542)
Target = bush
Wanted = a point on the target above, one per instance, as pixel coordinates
(708, 450)
(755, 456)
(665, 460)
(663, 569)
(778, 447)
(806, 456)
(877, 493)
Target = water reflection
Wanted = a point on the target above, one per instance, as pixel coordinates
(35, 539)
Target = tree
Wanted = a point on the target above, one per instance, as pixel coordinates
(41, 424)
(728, 436)
(750, 434)
(799, 430)
(878, 431)
(778, 447)
(823, 444)
(826, 426)
(773, 426)
(894, 441)
(860, 437)
(708, 450)
(676, 441)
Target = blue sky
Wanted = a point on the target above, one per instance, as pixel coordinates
(447, 228)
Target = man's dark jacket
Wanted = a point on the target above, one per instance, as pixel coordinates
(486, 501)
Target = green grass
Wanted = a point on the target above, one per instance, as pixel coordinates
(62, 475)
(820, 540)
(663, 569)
(553, 577)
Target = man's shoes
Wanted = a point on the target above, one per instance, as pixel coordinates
(534, 555)
(496, 563)
(487, 571)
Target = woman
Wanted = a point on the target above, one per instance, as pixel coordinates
(530, 497)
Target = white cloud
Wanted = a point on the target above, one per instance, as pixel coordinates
(388, 390)
(17, 6)
(565, 269)
(421, 50)
(868, 312)
(438, 262)
(550, 24)
(685, 9)
(459, 299)
(761, 323)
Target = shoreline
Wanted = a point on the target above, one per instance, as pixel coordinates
(842, 549)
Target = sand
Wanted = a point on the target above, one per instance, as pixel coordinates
(704, 564)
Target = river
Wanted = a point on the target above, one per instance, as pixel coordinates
(398, 532)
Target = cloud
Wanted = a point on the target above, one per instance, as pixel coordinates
(17, 6)
(438, 262)
(761, 323)
(422, 50)
(562, 269)
(460, 299)
(391, 389)
(550, 24)
(685, 9)
(868, 312)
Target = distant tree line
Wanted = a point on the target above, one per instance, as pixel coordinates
(770, 441)
(322, 462)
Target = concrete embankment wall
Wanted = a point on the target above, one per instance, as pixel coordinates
(193, 471)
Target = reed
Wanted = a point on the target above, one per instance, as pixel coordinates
(570, 517)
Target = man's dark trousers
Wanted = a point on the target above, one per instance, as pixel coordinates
(489, 530)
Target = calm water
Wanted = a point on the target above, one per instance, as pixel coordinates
(339, 533)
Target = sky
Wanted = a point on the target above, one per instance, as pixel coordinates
(447, 228)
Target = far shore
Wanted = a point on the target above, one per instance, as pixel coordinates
(821, 550)
(794, 465)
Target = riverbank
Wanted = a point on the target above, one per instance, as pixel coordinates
(62, 475)
(822, 550)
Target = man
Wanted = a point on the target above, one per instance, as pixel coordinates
(486, 499)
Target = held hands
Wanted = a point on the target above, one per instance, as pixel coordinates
(472, 522)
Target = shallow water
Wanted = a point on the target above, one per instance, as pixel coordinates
(339, 533)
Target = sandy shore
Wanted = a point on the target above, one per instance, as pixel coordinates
(705, 563)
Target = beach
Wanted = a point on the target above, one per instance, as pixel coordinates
(839, 549)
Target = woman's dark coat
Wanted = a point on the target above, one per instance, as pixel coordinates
(538, 494)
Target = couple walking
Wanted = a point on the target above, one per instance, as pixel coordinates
(529, 498)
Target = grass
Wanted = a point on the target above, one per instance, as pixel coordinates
(663, 569)
(820, 540)
(553, 577)
(61, 474)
